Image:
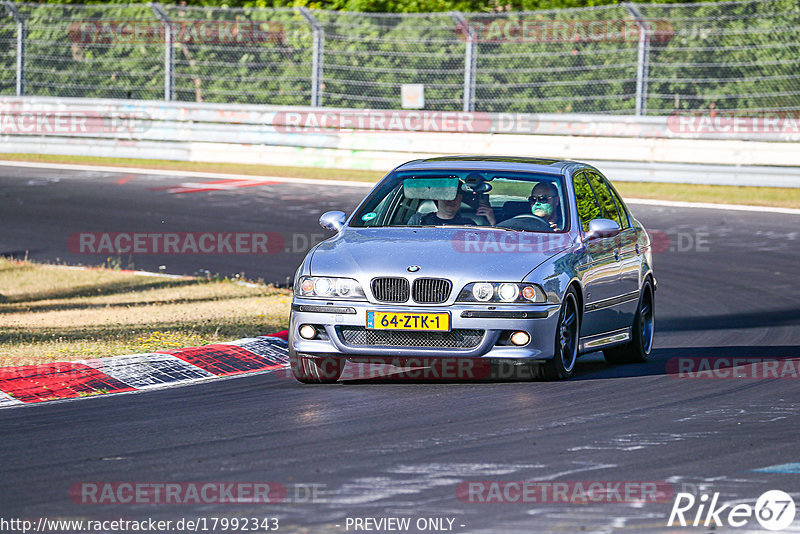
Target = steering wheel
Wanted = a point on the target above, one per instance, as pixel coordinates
(525, 221)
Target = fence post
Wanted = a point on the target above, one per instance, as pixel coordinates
(318, 33)
(169, 53)
(643, 59)
(22, 36)
(470, 60)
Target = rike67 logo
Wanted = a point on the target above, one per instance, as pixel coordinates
(774, 510)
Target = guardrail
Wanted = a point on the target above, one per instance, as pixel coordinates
(696, 148)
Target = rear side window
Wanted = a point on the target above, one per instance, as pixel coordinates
(604, 197)
(587, 204)
(623, 211)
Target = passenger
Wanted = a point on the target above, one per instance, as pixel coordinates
(485, 209)
(447, 214)
(479, 200)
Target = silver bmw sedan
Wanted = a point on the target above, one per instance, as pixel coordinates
(523, 260)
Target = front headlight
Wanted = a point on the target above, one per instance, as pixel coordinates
(328, 287)
(483, 291)
(503, 292)
(508, 292)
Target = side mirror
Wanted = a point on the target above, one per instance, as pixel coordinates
(602, 228)
(333, 220)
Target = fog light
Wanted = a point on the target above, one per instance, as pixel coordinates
(309, 332)
(520, 338)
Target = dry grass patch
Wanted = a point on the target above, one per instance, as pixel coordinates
(53, 313)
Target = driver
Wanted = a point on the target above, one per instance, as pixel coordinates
(544, 201)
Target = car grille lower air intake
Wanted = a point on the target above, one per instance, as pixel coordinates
(358, 336)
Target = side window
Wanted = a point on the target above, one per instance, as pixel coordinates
(623, 211)
(587, 204)
(379, 211)
(604, 197)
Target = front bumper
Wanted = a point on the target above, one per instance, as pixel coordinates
(539, 321)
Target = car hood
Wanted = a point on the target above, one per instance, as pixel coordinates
(460, 254)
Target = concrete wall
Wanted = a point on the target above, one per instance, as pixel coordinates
(692, 149)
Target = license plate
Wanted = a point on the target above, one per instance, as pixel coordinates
(437, 322)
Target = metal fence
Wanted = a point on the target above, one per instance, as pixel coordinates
(621, 59)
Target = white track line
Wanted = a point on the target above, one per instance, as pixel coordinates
(151, 273)
(190, 174)
(8, 400)
(346, 183)
(708, 205)
(126, 271)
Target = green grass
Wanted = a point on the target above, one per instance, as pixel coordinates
(782, 197)
(720, 194)
(54, 313)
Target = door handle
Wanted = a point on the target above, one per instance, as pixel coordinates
(616, 255)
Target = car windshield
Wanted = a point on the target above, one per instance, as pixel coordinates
(500, 199)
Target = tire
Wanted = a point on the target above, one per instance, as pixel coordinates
(637, 350)
(567, 339)
(315, 370)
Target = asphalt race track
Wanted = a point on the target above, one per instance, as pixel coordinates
(727, 288)
(42, 208)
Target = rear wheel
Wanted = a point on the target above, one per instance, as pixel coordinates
(315, 370)
(562, 364)
(637, 350)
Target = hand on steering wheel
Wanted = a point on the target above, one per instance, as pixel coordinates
(532, 216)
(526, 221)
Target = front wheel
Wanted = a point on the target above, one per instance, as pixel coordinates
(566, 343)
(637, 350)
(315, 370)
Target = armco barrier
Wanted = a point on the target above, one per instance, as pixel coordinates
(660, 149)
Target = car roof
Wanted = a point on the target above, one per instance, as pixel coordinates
(492, 163)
